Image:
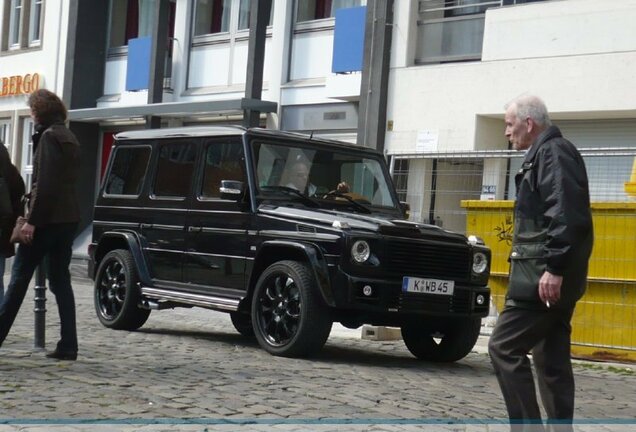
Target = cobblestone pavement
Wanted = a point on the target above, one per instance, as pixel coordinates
(188, 369)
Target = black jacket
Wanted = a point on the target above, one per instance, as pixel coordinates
(16, 192)
(55, 174)
(553, 222)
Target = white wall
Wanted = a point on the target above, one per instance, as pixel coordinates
(559, 28)
(596, 81)
(47, 61)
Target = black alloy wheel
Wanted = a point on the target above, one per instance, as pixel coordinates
(288, 314)
(117, 295)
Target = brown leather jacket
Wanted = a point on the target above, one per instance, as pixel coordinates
(55, 173)
(16, 192)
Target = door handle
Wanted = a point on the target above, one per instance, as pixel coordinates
(145, 225)
(195, 229)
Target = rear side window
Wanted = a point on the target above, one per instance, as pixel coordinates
(174, 169)
(127, 171)
(223, 161)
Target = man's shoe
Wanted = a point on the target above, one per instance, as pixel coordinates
(62, 355)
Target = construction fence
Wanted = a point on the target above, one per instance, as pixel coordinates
(473, 193)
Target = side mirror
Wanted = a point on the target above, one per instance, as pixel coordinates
(231, 189)
(406, 208)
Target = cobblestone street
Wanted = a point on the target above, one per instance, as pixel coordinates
(188, 369)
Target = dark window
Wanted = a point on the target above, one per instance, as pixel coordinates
(223, 161)
(212, 16)
(128, 171)
(244, 14)
(174, 169)
(131, 19)
(309, 10)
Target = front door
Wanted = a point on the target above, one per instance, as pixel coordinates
(215, 258)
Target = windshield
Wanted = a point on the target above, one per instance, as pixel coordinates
(329, 177)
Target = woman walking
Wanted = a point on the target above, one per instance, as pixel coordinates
(52, 219)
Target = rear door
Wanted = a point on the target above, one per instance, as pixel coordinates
(215, 258)
(165, 215)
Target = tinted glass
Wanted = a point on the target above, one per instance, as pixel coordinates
(174, 169)
(128, 170)
(223, 161)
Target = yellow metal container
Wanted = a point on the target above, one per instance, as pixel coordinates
(604, 323)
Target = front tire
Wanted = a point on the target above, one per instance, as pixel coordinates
(441, 341)
(117, 294)
(242, 322)
(288, 313)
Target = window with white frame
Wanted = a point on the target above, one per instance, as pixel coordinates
(130, 19)
(15, 23)
(5, 133)
(34, 22)
(23, 20)
(27, 152)
(212, 17)
(309, 10)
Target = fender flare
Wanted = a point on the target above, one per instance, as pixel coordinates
(134, 246)
(316, 260)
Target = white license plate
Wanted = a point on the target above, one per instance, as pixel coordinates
(428, 286)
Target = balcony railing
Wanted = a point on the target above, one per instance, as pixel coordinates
(450, 31)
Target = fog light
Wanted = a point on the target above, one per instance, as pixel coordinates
(367, 290)
(480, 300)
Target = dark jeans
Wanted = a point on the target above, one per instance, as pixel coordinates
(55, 242)
(547, 334)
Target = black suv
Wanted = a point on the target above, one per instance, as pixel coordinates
(286, 233)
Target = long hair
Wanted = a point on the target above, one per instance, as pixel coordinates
(47, 107)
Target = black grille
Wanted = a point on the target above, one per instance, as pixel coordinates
(428, 259)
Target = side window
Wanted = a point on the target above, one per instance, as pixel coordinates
(223, 161)
(127, 171)
(174, 169)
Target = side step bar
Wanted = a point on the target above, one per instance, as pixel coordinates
(201, 300)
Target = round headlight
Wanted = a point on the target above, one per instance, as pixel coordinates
(480, 262)
(360, 251)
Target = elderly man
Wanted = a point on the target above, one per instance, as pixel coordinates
(552, 243)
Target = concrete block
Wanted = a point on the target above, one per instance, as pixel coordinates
(379, 333)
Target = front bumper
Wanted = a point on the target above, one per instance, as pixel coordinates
(387, 296)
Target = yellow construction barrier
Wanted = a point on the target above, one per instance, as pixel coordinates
(630, 186)
(604, 323)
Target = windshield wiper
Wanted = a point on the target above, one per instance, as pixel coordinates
(291, 191)
(355, 203)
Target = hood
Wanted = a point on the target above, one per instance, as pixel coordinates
(376, 223)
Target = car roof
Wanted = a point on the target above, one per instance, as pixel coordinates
(190, 131)
(216, 131)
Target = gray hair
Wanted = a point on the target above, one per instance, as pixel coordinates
(529, 106)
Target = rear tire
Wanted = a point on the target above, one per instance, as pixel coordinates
(289, 316)
(441, 341)
(116, 292)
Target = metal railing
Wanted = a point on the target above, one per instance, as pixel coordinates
(453, 30)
